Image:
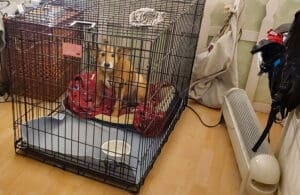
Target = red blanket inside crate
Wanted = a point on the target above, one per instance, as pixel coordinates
(81, 101)
(82, 97)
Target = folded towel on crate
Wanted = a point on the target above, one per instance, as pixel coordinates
(145, 17)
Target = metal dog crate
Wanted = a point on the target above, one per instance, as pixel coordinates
(52, 56)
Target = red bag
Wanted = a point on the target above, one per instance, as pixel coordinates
(148, 121)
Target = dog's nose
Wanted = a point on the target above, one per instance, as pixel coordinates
(106, 65)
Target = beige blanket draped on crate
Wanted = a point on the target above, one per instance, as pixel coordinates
(215, 70)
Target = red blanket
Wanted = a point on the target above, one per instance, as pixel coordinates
(82, 98)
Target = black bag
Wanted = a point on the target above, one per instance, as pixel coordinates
(281, 60)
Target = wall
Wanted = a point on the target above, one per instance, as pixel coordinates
(253, 16)
(252, 22)
(285, 14)
(214, 11)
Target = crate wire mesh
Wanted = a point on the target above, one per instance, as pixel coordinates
(34, 56)
(51, 46)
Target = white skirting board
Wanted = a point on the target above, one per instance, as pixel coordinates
(261, 107)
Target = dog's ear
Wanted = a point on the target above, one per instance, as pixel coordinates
(95, 51)
(126, 51)
(104, 41)
(123, 51)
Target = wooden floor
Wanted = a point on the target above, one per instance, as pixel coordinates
(195, 160)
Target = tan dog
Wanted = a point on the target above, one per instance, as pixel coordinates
(114, 71)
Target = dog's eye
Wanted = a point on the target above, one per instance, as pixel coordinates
(102, 54)
(113, 55)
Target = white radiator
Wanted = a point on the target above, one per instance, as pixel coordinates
(259, 171)
(289, 156)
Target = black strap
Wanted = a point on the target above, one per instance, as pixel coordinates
(272, 117)
(277, 106)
